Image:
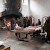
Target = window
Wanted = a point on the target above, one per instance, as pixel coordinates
(4, 1)
(25, 2)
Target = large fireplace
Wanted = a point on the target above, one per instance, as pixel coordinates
(12, 9)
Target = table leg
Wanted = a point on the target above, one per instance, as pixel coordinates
(18, 36)
(26, 36)
(29, 37)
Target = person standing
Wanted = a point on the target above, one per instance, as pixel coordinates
(12, 24)
(39, 22)
(47, 28)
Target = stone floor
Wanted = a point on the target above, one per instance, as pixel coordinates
(9, 38)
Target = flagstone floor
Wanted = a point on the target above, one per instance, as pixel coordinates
(9, 38)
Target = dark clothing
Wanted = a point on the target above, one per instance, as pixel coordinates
(39, 22)
(47, 27)
(28, 23)
(33, 24)
(12, 24)
(36, 33)
(25, 22)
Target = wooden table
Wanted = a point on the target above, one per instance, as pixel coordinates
(27, 31)
(24, 31)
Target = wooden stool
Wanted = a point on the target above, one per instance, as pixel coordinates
(5, 47)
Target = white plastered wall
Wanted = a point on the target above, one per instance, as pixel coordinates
(38, 9)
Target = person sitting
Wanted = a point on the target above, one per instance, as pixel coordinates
(39, 22)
